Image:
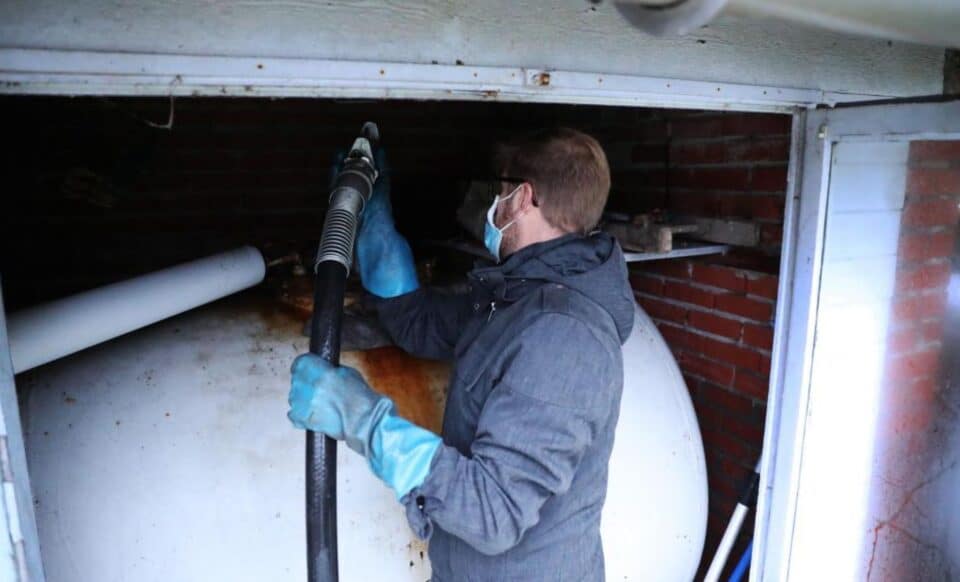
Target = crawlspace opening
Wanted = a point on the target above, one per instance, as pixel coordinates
(100, 189)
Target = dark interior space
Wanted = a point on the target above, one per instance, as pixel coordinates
(103, 189)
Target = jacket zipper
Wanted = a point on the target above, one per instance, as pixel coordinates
(493, 307)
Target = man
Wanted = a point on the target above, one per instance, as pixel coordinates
(514, 488)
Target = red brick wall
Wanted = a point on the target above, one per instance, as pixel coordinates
(718, 321)
(914, 409)
(716, 314)
(720, 165)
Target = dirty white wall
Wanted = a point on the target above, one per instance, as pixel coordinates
(570, 35)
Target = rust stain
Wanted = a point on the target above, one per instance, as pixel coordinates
(283, 315)
(416, 386)
(297, 293)
(542, 79)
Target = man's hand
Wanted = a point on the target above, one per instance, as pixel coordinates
(333, 400)
(337, 402)
(383, 255)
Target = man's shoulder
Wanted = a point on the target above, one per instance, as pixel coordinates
(556, 298)
(558, 319)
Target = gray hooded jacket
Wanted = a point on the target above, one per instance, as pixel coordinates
(516, 491)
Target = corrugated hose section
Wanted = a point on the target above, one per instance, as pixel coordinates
(339, 231)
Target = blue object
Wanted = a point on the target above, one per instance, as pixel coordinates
(743, 564)
(383, 255)
(493, 236)
(337, 402)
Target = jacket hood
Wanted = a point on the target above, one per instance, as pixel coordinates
(592, 265)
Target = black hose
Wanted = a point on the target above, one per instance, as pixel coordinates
(351, 190)
(750, 489)
(322, 450)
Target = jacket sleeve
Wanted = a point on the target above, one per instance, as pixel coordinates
(556, 393)
(425, 323)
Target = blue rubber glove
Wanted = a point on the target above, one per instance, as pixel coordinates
(337, 402)
(383, 255)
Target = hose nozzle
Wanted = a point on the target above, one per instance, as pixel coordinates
(351, 190)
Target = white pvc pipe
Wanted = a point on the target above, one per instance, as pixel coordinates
(47, 332)
(726, 544)
(730, 534)
(930, 22)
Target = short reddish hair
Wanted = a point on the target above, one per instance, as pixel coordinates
(569, 173)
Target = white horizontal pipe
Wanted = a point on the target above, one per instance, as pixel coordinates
(930, 22)
(47, 332)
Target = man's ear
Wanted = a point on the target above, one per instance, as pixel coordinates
(526, 196)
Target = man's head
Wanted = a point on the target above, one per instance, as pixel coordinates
(560, 180)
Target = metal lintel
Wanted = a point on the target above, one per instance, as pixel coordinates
(41, 71)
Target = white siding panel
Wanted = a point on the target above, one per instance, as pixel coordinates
(858, 280)
(840, 326)
(877, 153)
(868, 176)
(861, 234)
(868, 187)
(858, 275)
(844, 381)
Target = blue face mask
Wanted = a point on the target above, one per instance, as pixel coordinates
(493, 236)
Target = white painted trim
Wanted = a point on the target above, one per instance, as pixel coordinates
(785, 419)
(20, 523)
(33, 71)
(890, 122)
(767, 463)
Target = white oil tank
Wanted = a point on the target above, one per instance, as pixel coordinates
(166, 455)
